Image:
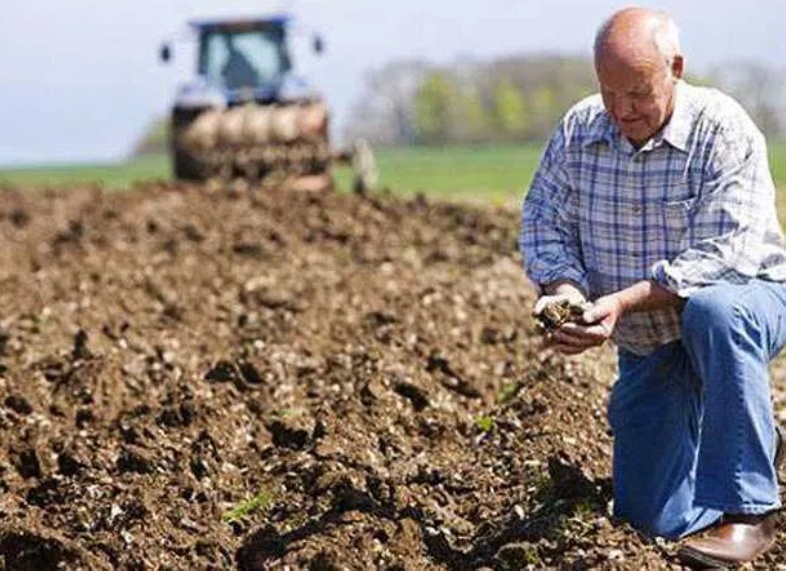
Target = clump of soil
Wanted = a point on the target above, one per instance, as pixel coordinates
(209, 379)
(557, 313)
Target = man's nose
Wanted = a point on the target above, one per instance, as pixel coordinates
(623, 107)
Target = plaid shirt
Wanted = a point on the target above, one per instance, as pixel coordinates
(693, 207)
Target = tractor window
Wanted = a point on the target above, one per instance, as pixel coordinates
(244, 59)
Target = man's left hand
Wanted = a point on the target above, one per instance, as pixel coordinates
(600, 320)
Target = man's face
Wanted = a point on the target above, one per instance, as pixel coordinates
(638, 95)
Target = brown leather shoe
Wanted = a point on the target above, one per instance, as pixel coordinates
(736, 539)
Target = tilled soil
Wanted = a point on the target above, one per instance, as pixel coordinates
(210, 379)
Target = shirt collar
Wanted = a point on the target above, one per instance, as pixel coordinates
(676, 131)
(601, 129)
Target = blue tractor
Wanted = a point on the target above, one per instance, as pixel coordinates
(247, 114)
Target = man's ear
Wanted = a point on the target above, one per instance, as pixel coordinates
(677, 67)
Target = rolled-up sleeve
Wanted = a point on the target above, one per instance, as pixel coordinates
(549, 240)
(732, 225)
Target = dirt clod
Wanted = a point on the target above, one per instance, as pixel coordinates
(555, 314)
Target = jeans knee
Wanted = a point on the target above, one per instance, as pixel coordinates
(710, 309)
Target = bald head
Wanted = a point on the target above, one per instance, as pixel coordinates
(638, 32)
(638, 63)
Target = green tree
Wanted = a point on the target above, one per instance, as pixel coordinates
(544, 110)
(473, 119)
(510, 113)
(435, 103)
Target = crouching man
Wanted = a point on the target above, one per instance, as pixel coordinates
(654, 200)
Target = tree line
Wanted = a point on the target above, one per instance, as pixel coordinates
(517, 99)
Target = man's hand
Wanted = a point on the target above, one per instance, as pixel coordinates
(558, 292)
(601, 318)
(574, 338)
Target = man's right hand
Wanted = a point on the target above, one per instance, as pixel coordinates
(597, 327)
(562, 340)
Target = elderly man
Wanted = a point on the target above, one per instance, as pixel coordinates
(654, 200)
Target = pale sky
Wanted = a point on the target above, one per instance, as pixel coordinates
(80, 79)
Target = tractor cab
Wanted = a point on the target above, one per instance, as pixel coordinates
(244, 55)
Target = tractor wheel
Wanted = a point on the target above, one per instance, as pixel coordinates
(186, 166)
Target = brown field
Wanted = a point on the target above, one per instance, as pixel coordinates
(212, 379)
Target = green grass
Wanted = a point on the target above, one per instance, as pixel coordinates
(778, 167)
(245, 508)
(495, 174)
(115, 176)
(487, 174)
(477, 173)
(778, 162)
(485, 423)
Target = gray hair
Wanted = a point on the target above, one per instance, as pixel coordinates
(664, 32)
(666, 37)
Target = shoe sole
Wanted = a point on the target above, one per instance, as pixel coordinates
(698, 560)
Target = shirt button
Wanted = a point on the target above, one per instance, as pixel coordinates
(636, 209)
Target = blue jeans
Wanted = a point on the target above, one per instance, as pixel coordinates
(694, 434)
